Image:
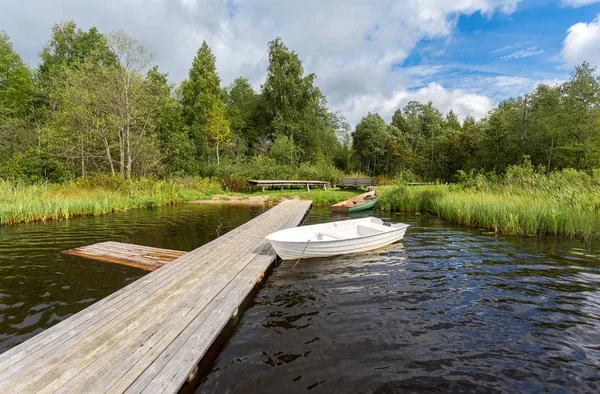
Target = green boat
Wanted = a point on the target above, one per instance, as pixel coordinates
(358, 203)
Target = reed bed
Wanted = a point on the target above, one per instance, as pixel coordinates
(564, 203)
(24, 203)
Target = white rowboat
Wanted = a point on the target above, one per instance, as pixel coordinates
(331, 239)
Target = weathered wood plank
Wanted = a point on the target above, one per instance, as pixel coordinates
(128, 317)
(115, 300)
(152, 333)
(144, 257)
(355, 182)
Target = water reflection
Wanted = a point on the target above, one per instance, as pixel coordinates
(446, 310)
(39, 287)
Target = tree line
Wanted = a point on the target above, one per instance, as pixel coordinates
(97, 104)
(553, 127)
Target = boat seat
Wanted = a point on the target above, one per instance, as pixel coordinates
(327, 234)
(368, 229)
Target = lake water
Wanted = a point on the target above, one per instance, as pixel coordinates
(448, 309)
(40, 287)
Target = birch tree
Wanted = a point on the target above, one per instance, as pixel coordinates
(217, 127)
(129, 97)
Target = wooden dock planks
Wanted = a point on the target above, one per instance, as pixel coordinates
(138, 256)
(150, 335)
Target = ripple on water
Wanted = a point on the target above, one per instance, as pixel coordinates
(446, 310)
(39, 287)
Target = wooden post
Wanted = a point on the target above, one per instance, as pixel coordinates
(325, 186)
(281, 187)
(263, 189)
(307, 187)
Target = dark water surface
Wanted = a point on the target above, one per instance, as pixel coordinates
(39, 287)
(446, 310)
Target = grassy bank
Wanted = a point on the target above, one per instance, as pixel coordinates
(563, 204)
(22, 203)
(319, 197)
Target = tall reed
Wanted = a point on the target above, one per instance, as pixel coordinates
(23, 203)
(565, 203)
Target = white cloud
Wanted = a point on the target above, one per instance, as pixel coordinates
(583, 43)
(351, 45)
(523, 53)
(578, 3)
(463, 103)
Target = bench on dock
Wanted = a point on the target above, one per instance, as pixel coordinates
(150, 335)
(355, 182)
(283, 183)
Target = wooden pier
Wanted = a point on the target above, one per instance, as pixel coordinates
(150, 336)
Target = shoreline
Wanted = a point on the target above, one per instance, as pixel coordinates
(236, 200)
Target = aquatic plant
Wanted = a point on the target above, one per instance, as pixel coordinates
(523, 202)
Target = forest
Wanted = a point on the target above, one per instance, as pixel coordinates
(97, 104)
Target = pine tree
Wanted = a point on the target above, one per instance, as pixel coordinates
(201, 91)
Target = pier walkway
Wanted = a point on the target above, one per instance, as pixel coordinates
(149, 336)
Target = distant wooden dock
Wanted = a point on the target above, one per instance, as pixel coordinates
(150, 336)
(138, 256)
(284, 183)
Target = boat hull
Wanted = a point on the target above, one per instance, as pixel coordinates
(295, 249)
(350, 206)
(364, 207)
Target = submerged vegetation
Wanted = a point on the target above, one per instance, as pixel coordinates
(521, 202)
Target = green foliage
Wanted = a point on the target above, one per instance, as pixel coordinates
(16, 82)
(379, 148)
(234, 176)
(284, 151)
(97, 106)
(295, 107)
(34, 166)
(69, 46)
(217, 127)
(200, 92)
(243, 113)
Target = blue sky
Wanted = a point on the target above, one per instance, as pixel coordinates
(465, 55)
(525, 46)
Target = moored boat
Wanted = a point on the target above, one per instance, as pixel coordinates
(358, 203)
(335, 238)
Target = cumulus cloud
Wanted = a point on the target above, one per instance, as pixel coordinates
(351, 45)
(462, 102)
(583, 43)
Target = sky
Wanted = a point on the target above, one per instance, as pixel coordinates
(369, 56)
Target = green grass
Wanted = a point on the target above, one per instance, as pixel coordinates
(25, 203)
(22, 203)
(559, 211)
(319, 197)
